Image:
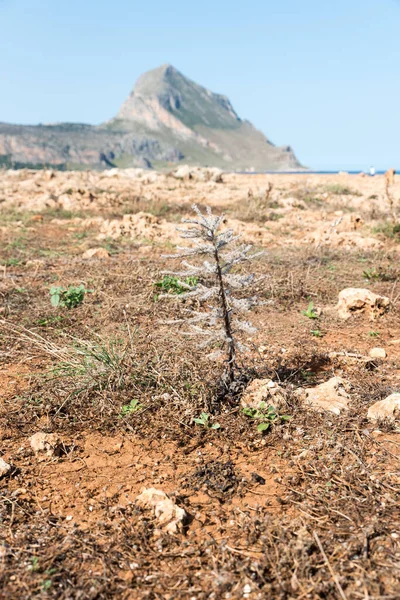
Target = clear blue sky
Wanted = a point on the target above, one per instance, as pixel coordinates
(322, 75)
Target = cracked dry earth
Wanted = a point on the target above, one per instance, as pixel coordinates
(307, 510)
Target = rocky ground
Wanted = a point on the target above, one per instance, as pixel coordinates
(108, 487)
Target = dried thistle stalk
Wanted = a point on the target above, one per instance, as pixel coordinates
(218, 325)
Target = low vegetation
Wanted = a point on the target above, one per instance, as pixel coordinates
(67, 298)
(264, 416)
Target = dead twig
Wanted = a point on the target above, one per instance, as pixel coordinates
(328, 564)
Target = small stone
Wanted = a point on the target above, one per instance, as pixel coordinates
(331, 395)
(303, 454)
(5, 468)
(263, 390)
(377, 353)
(169, 515)
(95, 253)
(358, 300)
(45, 445)
(247, 590)
(19, 492)
(182, 172)
(388, 408)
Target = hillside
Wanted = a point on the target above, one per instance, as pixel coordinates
(166, 119)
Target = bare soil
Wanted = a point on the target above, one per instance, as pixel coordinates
(308, 510)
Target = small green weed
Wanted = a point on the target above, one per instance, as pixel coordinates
(371, 275)
(193, 389)
(92, 365)
(111, 247)
(34, 566)
(390, 230)
(19, 243)
(30, 400)
(273, 204)
(61, 213)
(380, 275)
(374, 334)
(313, 200)
(12, 262)
(341, 190)
(67, 298)
(46, 584)
(173, 285)
(52, 320)
(81, 235)
(204, 420)
(310, 313)
(132, 407)
(317, 333)
(273, 216)
(306, 375)
(266, 416)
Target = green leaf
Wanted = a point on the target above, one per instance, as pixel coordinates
(262, 427)
(55, 299)
(215, 426)
(46, 584)
(310, 312)
(250, 412)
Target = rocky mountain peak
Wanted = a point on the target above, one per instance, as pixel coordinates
(167, 118)
(155, 81)
(167, 88)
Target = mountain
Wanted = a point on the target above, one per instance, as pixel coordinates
(166, 119)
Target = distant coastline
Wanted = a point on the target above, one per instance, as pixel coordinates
(311, 172)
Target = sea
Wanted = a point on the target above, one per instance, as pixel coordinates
(306, 172)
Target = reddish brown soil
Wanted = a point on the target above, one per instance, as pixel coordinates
(308, 510)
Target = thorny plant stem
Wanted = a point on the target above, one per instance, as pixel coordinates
(226, 316)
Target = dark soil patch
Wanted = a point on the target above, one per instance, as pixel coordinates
(215, 477)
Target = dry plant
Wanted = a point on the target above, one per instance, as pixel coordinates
(256, 207)
(214, 282)
(389, 182)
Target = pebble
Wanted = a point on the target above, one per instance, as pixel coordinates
(4, 468)
(377, 353)
(388, 408)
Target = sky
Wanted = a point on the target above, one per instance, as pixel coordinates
(322, 76)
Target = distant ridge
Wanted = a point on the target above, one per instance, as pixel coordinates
(166, 119)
